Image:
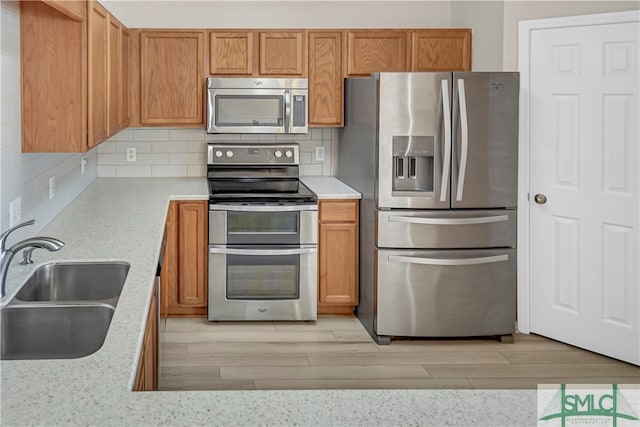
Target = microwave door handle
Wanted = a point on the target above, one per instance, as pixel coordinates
(287, 111)
(446, 261)
(464, 133)
(263, 252)
(446, 162)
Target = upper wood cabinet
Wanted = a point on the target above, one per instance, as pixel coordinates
(325, 78)
(373, 51)
(114, 49)
(53, 76)
(283, 53)
(78, 102)
(232, 52)
(125, 43)
(75, 9)
(441, 50)
(171, 77)
(98, 22)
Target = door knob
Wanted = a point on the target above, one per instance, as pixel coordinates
(540, 199)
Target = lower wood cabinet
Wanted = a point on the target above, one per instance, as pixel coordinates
(337, 256)
(184, 270)
(147, 377)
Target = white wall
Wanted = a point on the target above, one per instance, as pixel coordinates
(27, 175)
(485, 18)
(515, 11)
(280, 14)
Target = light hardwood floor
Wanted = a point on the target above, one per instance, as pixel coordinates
(337, 353)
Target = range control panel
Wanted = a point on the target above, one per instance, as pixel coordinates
(253, 154)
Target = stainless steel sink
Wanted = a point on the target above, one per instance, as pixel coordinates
(53, 331)
(82, 281)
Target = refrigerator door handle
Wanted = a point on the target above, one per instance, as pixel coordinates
(446, 162)
(445, 261)
(449, 221)
(464, 127)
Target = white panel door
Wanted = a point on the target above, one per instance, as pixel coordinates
(584, 114)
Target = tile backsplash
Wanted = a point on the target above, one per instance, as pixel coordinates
(168, 152)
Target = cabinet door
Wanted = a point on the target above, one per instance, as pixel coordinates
(171, 77)
(325, 78)
(114, 50)
(125, 40)
(98, 24)
(283, 53)
(184, 273)
(54, 108)
(376, 51)
(192, 254)
(338, 261)
(441, 50)
(232, 52)
(147, 375)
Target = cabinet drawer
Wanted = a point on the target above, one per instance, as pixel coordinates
(339, 211)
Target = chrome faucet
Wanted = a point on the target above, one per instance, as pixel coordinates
(6, 255)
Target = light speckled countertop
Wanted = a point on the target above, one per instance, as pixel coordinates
(327, 187)
(123, 219)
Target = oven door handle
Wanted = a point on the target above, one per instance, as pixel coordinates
(263, 252)
(263, 208)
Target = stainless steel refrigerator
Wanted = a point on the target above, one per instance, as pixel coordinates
(435, 158)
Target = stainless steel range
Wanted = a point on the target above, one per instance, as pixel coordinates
(262, 234)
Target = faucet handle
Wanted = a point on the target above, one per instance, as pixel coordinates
(26, 256)
(3, 236)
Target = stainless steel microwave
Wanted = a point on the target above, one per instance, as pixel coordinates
(256, 105)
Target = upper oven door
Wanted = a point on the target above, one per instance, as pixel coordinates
(262, 224)
(247, 110)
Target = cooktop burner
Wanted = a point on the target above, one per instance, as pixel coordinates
(259, 191)
(256, 174)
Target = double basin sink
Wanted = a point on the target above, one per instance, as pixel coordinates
(62, 311)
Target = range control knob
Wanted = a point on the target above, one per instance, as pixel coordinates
(278, 154)
(218, 153)
(229, 153)
(288, 153)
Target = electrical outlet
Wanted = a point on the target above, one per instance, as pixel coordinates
(131, 154)
(319, 154)
(83, 164)
(15, 212)
(52, 187)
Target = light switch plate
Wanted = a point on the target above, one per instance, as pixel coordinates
(319, 154)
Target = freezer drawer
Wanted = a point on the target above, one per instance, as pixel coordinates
(447, 229)
(446, 293)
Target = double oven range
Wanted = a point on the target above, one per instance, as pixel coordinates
(262, 234)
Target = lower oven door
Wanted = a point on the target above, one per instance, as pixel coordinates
(263, 283)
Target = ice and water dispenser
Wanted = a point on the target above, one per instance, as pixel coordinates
(413, 163)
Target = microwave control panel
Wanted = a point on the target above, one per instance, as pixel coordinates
(299, 113)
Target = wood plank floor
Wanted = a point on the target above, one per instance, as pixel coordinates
(337, 353)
